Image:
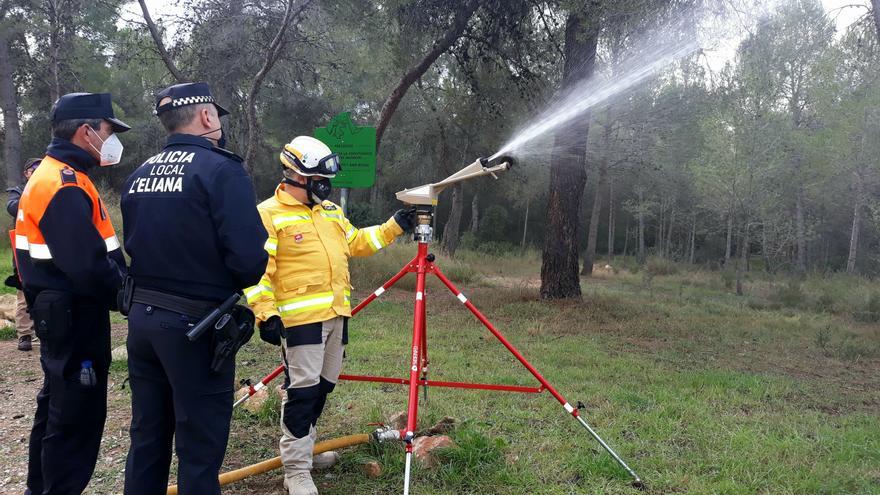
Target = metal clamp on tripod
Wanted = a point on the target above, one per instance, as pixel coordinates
(423, 232)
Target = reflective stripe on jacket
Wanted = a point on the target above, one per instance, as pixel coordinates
(307, 277)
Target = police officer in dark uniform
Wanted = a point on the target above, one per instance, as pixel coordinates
(71, 267)
(194, 237)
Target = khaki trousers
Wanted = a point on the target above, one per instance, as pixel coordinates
(23, 323)
(312, 370)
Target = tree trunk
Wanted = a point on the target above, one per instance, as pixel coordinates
(668, 244)
(53, 15)
(593, 234)
(800, 231)
(522, 246)
(8, 99)
(875, 9)
(475, 213)
(453, 225)
(641, 254)
(743, 258)
(160, 45)
(693, 244)
(640, 258)
(610, 219)
(559, 267)
(856, 225)
(459, 23)
(727, 251)
(765, 247)
(658, 240)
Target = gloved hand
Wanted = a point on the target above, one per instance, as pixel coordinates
(271, 330)
(406, 218)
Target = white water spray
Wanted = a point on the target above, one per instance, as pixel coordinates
(594, 92)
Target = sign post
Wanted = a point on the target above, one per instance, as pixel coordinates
(356, 147)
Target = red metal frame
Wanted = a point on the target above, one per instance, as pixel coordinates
(422, 266)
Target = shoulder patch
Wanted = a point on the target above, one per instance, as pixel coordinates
(68, 176)
(329, 206)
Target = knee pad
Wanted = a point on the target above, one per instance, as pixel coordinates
(298, 414)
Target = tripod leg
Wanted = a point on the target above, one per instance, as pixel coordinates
(424, 351)
(406, 473)
(417, 339)
(568, 407)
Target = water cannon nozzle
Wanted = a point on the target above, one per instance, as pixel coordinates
(502, 160)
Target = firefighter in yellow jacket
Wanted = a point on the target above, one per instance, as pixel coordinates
(303, 301)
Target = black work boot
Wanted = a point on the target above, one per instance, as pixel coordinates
(24, 343)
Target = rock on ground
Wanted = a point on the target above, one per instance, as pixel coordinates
(255, 403)
(7, 307)
(371, 469)
(424, 449)
(119, 353)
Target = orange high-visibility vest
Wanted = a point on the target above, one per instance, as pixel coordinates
(48, 179)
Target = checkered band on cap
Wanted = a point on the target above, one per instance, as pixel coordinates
(191, 100)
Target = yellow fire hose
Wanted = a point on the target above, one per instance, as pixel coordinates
(275, 463)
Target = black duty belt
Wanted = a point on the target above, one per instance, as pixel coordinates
(170, 302)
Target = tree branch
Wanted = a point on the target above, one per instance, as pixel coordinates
(459, 23)
(160, 46)
(273, 52)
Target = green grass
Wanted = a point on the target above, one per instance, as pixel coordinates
(700, 390)
(8, 333)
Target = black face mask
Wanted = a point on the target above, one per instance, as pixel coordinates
(319, 189)
(221, 142)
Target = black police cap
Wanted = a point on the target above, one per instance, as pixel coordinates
(87, 106)
(187, 94)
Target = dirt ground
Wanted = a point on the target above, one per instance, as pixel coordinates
(20, 379)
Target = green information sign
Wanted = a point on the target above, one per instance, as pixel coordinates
(356, 147)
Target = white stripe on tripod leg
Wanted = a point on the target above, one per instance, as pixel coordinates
(406, 473)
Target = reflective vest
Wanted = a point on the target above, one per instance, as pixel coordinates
(307, 279)
(47, 180)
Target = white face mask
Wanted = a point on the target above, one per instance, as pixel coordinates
(111, 150)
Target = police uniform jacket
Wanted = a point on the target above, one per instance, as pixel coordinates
(190, 220)
(307, 278)
(64, 239)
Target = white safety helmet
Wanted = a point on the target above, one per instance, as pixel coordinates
(310, 157)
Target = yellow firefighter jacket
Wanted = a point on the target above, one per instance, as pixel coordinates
(307, 278)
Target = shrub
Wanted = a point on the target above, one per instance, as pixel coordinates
(825, 303)
(660, 267)
(472, 242)
(790, 295)
(870, 311)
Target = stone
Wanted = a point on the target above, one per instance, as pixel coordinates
(397, 421)
(7, 307)
(120, 353)
(424, 449)
(371, 469)
(445, 425)
(255, 403)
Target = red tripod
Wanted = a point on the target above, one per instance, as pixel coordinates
(422, 265)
